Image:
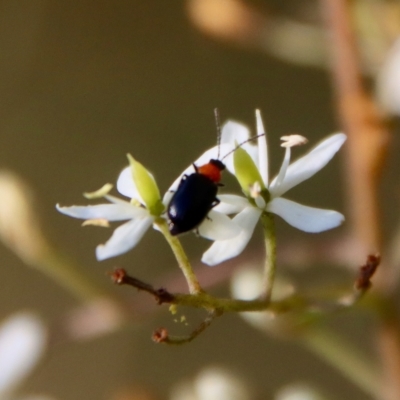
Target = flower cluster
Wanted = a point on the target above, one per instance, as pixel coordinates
(249, 164)
(252, 170)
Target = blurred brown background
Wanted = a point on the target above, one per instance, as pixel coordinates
(83, 83)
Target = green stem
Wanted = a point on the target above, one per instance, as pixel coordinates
(204, 300)
(345, 358)
(180, 255)
(270, 258)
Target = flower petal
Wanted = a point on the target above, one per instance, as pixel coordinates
(124, 238)
(126, 186)
(218, 226)
(262, 145)
(306, 166)
(231, 204)
(307, 219)
(110, 212)
(222, 250)
(234, 133)
(22, 342)
(116, 200)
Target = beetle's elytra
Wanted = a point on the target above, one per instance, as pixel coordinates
(195, 196)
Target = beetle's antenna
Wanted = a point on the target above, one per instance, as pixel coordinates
(218, 125)
(241, 144)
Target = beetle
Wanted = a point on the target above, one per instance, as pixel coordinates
(196, 194)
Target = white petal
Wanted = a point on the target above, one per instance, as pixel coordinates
(218, 226)
(231, 204)
(282, 172)
(22, 342)
(262, 150)
(211, 154)
(307, 219)
(308, 165)
(116, 200)
(223, 250)
(110, 212)
(126, 186)
(260, 202)
(167, 198)
(234, 133)
(124, 238)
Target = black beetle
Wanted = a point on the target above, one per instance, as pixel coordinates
(196, 194)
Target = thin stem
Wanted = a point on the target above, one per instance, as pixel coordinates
(204, 300)
(270, 258)
(209, 302)
(162, 335)
(180, 255)
(345, 358)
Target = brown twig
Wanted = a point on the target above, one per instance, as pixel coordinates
(362, 283)
(161, 335)
(366, 271)
(120, 277)
(217, 306)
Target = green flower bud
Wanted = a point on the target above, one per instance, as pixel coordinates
(146, 186)
(246, 171)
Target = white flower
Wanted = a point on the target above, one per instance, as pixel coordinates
(22, 343)
(308, 219)
(141, 211)
(136, 183)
